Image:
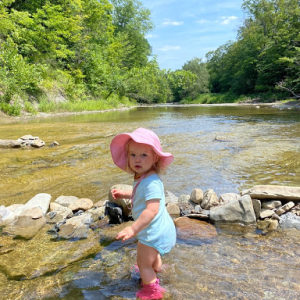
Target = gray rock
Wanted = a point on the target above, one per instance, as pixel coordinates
(266, 213)
(210, 199)
(81, 204)
(6, 216)
(228, 197)
(58, 213)
(38, 143)
(25, 227)
(283, 209)
(257, 207)
(235, 211)
(16, 208)
(273, 192)
(196, 196)
(184, 198)
(66, 200)
(97, 213)
(34, 213)
(271, 204)
(289, 220)
(41, 201)
(124, 203)
(198, 209)
(76, 227)
(170, 197)
(173, 209)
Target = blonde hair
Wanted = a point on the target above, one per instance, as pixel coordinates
(157, 166)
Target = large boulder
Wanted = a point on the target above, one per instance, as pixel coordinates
(236, 211)
(124, 204)
(273, 192)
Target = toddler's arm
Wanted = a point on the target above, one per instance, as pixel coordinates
(120, 194)
(149, 213)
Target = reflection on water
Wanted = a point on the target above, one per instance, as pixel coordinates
(261, 146)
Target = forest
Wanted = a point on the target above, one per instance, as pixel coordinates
(78, 52)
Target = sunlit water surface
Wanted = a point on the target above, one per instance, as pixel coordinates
(260, 146)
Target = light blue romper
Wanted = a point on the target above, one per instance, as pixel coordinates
(160, 233)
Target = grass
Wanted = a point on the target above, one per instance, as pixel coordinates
(44, 105)
(87, 105)
(211, 98)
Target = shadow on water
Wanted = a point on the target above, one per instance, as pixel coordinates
(261, 146)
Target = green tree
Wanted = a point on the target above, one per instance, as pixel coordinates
(181, 81)
(200, 86)
(132, 21)
(277, 23)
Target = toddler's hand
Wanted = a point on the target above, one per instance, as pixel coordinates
(126, 234)
(117, 194)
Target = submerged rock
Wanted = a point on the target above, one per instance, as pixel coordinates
(25, 226)
(191, 229)
(43, 256)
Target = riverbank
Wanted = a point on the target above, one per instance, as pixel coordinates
(292, 104)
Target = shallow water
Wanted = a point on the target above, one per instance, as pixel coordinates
(262, 147)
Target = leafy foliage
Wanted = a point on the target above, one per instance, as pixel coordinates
(265, 52)
(77, 50)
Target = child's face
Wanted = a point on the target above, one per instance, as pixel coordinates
(141, 157)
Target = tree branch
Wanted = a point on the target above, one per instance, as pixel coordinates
(281, 85)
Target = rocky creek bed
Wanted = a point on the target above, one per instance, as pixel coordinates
(69, 228)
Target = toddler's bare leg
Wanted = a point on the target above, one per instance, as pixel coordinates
(146, 258)
(157, 263)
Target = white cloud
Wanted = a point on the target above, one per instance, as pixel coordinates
(172, 23)
(202, 21)
(169, 48)
(227, 20)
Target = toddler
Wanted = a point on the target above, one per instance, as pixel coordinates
(140, 153)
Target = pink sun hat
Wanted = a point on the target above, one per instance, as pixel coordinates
(142, 136)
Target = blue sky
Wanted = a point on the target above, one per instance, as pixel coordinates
(185, 29)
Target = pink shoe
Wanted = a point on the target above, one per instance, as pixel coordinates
(152, 291)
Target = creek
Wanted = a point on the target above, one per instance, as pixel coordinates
(225, 148)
